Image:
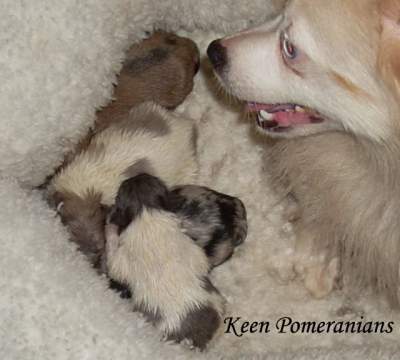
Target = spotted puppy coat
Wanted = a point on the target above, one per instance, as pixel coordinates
(162, 266)
(215, 221)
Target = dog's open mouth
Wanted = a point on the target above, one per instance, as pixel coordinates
(283, 117)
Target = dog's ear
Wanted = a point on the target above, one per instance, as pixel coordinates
(389, 55)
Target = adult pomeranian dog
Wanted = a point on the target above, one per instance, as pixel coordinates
(324, 81)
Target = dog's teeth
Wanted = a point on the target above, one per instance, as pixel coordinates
(266, 115)
(299, 109)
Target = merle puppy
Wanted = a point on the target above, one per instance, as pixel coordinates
(215, 221)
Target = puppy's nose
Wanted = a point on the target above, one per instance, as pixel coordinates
(217, 54)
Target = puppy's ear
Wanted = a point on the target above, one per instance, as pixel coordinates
(389, 55)
(121, 215)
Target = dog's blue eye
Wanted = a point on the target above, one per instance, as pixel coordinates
(287, 47)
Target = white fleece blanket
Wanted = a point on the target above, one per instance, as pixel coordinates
(58, 60)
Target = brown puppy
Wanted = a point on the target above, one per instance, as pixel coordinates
(159, 69)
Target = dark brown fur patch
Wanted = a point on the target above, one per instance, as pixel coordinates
(199, 327)
(85, 219)
(154, 58)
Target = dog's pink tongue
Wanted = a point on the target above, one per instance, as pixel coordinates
(290, 118)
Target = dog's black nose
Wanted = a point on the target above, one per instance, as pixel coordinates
(217, 54)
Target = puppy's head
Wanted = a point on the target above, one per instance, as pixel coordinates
(161, 69)
(319, 66)
(134, 194)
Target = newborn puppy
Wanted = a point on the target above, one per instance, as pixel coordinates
(215, 221)
(160, 68)
(166, 272)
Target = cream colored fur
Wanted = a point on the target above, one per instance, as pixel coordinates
(105, 164)
(348, 203)
(342, 172)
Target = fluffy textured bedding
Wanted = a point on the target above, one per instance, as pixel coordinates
(58, 61)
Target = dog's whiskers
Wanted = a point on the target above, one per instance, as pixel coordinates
(222, 91)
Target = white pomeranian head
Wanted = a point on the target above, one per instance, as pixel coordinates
(321, 65)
